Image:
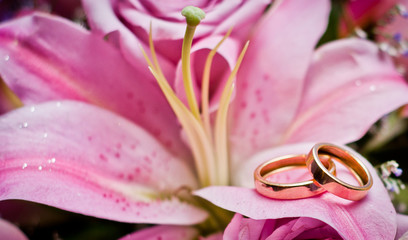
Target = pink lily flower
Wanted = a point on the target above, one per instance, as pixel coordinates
(126, 24)
(130, 21)
(99, 138)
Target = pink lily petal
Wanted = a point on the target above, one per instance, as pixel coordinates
(402, 222)
(132, 21)
(47, 58)
(220, 16)
(223, 63)
(240, 228)
(84, 159)
(103, 20)
(370, 218)
(345, 77)
(165, 232)
(10, 232)
(287, 228)
(270, 81)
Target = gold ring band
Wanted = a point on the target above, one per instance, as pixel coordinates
(289, 190)
(324, 178)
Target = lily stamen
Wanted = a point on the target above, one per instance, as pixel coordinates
(210, 154)
(193, 17)
(221, 139)
(205, 86)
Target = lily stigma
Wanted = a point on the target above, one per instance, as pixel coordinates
(208, 140)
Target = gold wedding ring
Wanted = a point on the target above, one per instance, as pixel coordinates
(289, 190)
(327, 180)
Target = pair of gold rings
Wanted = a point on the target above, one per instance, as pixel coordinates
(320, 163)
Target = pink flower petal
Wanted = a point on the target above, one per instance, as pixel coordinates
(370, 218)
(10, 232)
(286, 228)
(103, 20)
(131, 19)
(350, 85)
(241, 228)
(84, 159)
(270, 81)
(214, 236)
(402, 223)
(47, 58)
(164, 232)
(220, 16)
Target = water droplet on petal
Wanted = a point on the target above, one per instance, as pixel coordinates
(58, 104)
(6, 58)
(373, 88)
(40, 168)
(32, 109)
(23, 125)
(53, 160)
(45, 135)
(25, 165)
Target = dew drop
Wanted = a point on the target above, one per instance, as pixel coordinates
(24, 125)
(32, 109)
(53, 160)
(45, 135)
(58, 104)
(25, 165)
(373, 88)
(40, 168)
(6, 58)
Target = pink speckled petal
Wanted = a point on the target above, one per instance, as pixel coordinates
(370, 218)
(164, 232)
(84, 159)
(271, 77)
(47, 58)
(10, 232)
(350, 85)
